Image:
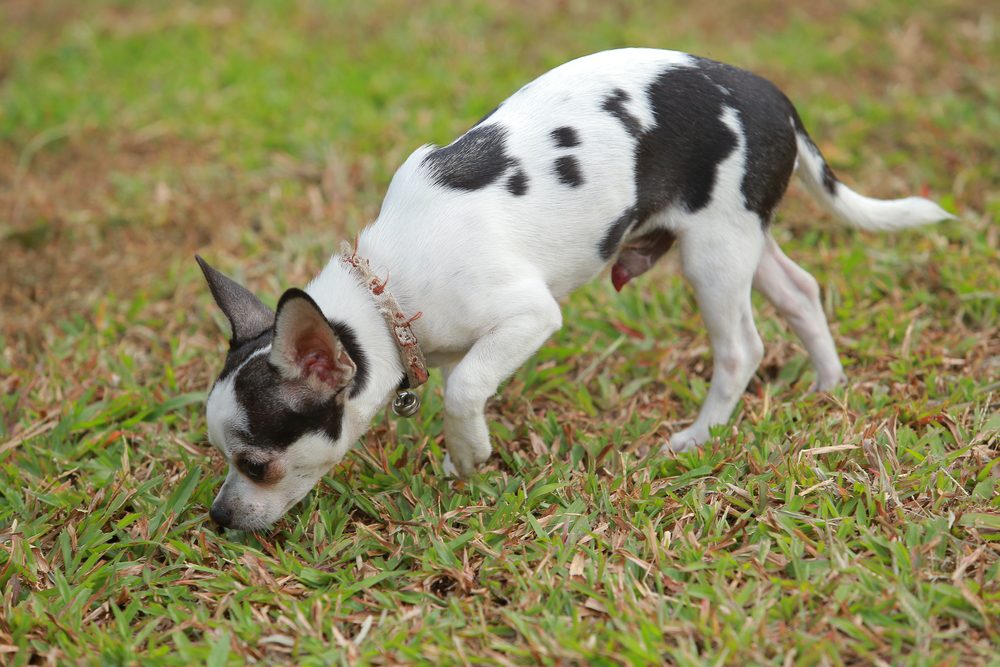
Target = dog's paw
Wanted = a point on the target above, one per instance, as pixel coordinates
(828, 383)
(449, 468)
(462, 468)
(684, 440)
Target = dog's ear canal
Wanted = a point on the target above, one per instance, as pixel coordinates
(248, 316)
(306, 348)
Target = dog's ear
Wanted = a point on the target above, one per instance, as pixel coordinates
(306, 348)
(248, 316)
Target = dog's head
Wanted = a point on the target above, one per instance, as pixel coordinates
(280, 410)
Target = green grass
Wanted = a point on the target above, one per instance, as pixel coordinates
(858, 527)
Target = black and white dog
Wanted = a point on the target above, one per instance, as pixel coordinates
(608, 159)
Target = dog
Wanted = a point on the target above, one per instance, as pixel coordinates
(610, 159)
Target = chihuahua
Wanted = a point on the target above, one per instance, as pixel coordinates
(612, 158)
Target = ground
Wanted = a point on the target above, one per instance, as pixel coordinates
(856, 527)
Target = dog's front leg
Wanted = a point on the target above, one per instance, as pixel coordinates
(474, 379)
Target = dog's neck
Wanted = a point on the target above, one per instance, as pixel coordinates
(398, 322)
(342, 298)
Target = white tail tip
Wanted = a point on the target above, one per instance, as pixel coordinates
(884, 214)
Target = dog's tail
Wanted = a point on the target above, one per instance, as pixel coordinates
(853, 208)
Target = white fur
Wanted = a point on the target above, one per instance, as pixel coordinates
(223, 411)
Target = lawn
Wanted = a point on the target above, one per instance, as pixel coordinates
(856, 527)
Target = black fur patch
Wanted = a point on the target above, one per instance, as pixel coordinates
(240, 352)
(677, 159)
(829, 179)
(616, 232)
(614, 104)
(568, 170)
(236, 356)
(350, 342)
(764, 111)
(517, 183)
(271, 422)
(473, 161)
(248, 316)
(565, 137)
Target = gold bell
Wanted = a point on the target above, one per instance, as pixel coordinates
(406, 404)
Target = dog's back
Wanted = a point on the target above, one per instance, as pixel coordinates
(606, 147)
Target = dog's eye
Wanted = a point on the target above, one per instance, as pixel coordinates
(253, 470)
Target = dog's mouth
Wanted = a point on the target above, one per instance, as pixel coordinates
(251, 517)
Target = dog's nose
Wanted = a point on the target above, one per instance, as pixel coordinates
(220, 515)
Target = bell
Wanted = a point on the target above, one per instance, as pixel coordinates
(406, 404)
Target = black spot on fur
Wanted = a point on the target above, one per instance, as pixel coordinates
(614, 104)
(517, 183)
(677, 159)
(829, 179)
(565, 137)
(473, 161)
(568, 170)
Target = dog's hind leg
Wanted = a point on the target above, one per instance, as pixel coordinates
(719, 258)
(795, 294)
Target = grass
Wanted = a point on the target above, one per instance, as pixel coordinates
(858, 527)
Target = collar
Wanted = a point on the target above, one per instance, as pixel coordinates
(399, 324)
